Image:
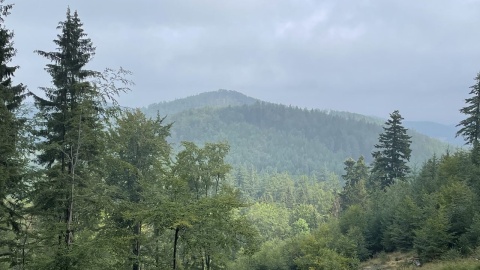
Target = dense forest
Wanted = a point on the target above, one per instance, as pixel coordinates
(85, 184)
(274, 137)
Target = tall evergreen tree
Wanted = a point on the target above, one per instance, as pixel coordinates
(392, 152)
(470, 127)
(11, 165)
(69, 78)
(71, 128)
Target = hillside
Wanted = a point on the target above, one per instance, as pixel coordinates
(445, 133)
(216, 99)
(274, 137)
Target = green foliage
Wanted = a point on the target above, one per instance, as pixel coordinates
(327, 248)
(272, 255)
(306, 212)
(374, 217)
(323, 248)
(400, 230)
(432, 239)
(288, 222)
(11, 96)
(12, 161)
(472, 236)
(67, 193)
(426, 180)
(277, 138)
(459, 203)
(357, 236)
(200, 208)
(392, 152)
(137, 153)
(355, 177)
(72, 100)
(300, 227)
(470, 127)
(353, 216)
(218, 99)
(271, 220)
(353, 224)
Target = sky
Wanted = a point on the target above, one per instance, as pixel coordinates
(364, 56)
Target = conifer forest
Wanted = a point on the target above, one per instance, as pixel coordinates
(218, 180)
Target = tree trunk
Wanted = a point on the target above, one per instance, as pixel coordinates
(69, 232)
(177, 229)
(157, 249)
(136, 247)
(216, 186)
(207, 261)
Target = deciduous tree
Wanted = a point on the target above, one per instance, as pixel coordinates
(201, 208)
(138, 152)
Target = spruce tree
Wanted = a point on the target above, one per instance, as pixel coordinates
(355, 176)
(69, 78)
(71, 129)
(392, 152)
(11, 164)
(470, 127)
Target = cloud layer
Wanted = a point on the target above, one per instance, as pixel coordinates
(370, 57)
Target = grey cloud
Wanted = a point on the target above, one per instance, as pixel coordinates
(363, 56)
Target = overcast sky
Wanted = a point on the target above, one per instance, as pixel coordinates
(369, 57)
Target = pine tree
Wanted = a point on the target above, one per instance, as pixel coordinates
(393, 152)
(11, 165)
(470, 127)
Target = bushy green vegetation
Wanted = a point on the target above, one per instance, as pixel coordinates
(432, 214)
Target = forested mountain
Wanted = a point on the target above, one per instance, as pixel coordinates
(274, 137)
(216, 99)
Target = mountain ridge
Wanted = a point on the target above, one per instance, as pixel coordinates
(278, 137)
(224, 98)
(216, 99)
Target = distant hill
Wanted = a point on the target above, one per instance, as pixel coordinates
(276, 137)
(445, 133)
(217, 99)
